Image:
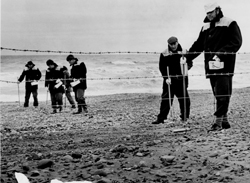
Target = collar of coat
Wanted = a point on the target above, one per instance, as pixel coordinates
(168, 51)
(57, 68)
(33, 68)
(76, 64)
(223, 22)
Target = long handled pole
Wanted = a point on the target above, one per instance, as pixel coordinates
(47, 95)
(184, 89)
(18, 93)
(169, 94)
(65, 91)
(214, 101)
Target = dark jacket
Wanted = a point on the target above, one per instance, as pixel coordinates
(30, 75)
(50, 79)
(223, 35)
(171, 60)
(79, 71)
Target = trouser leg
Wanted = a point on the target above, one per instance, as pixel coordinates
(59, 99)
(27, 97)
(69, 97)
(80, 98)
(183, 98)
(166, 102)
(222, 89)
(53, 100)
(35, 97)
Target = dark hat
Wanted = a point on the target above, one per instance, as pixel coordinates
(50, 62)
(172, 40)
(29, 63)
(71, 57)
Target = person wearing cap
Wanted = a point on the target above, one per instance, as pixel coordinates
(53, 80)
(170, 65)
(31, 74)
(68, 87)
(78, 75)
(220, 38)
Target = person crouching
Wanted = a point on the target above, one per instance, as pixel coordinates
(53, 80)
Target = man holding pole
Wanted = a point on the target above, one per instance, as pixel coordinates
(31, 74)
(173, 68)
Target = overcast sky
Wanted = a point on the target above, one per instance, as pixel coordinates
(110, 25)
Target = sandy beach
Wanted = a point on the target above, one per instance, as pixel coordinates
(116, 142)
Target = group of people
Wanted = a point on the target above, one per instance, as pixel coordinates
(58, 80)
(220, 38)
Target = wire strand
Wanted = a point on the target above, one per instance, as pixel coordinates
(110, 52)
(137, 77)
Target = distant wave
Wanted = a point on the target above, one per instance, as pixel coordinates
(123, 62)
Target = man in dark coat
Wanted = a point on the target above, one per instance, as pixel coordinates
(78, 74)
(53, 80)
(31, 75)
(173, 85)
(220, 39)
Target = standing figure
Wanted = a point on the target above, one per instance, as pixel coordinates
(220, 39)
(53, 80)
(68, 87)
(32, 75)
(78, 74)
(170, 60)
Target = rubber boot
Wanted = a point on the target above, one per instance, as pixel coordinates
(79, 110)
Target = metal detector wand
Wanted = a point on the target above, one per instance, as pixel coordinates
(18, 93)
(169, 93)
(183, 68)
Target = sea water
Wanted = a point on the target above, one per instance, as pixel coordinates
(110, 74)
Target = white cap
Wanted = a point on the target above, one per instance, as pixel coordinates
(211, 7)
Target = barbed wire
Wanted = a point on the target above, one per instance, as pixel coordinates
(109, 52)
(136, 77)
(79, 52)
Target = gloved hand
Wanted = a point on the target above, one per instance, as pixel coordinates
(168, 81)
(184, 51)
(216, 58)
(183, 60)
